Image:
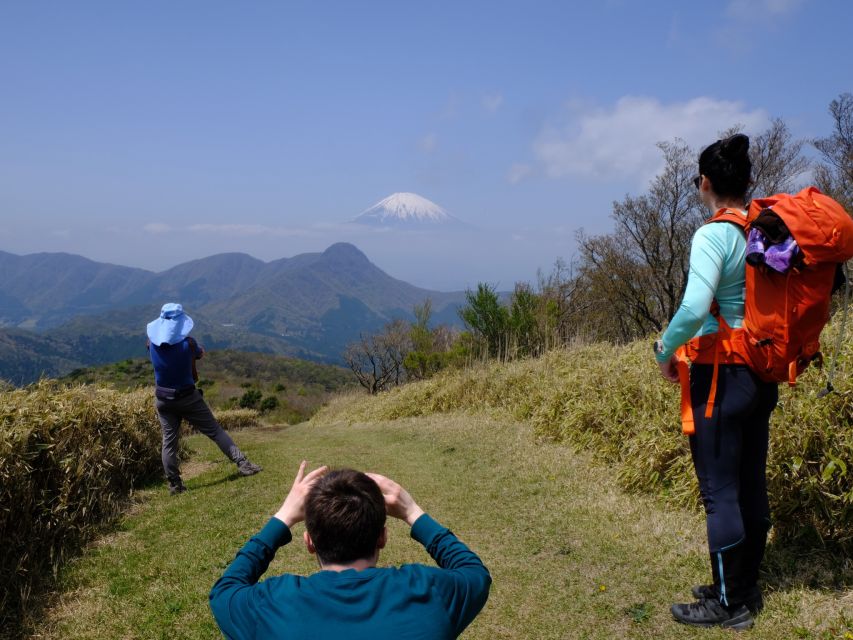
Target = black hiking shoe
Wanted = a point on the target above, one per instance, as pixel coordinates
(710, 613)
(247, 468)
(755, 603)
(176, 487)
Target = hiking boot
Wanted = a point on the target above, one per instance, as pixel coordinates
(247, 468)
(176, 487)
(755, 601)
(710, 613)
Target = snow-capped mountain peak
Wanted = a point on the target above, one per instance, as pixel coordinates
(405, 209)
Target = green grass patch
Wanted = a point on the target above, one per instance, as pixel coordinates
(572, 556)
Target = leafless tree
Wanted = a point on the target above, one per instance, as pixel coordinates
(639, 271)
(377, 360)
(777, 161)
(834, 176)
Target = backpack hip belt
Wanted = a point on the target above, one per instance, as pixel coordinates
(721, 347)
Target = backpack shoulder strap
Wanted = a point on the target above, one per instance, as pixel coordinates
(193, 348)
(729, 215)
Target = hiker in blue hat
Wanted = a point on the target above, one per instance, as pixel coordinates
(173, 353)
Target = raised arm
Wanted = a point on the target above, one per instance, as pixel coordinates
(233, 599)
(465, 581)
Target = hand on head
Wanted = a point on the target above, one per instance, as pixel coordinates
(398, 502)
(293, 509)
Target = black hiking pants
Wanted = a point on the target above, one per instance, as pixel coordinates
(729, 453)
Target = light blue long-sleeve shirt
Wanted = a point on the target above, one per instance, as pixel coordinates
(717, 270)
(413, 601)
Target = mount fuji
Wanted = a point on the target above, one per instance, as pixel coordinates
(407, 210)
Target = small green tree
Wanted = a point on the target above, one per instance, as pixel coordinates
(487, 319)
(522, 321)
(426, 356)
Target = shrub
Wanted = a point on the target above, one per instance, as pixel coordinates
(69, 457)
(234, 419)
(268, 404)
(250, 399)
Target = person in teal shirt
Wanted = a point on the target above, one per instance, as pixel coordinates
(729, 448)
(350, 598)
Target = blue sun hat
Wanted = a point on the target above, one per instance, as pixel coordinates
(171, 327)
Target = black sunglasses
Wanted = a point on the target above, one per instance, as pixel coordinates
(697, 181)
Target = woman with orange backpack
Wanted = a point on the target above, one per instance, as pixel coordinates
(728, 443)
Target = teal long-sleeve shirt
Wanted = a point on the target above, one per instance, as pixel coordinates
(413, 601)
(717, 270)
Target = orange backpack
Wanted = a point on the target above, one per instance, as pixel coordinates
(784, 313)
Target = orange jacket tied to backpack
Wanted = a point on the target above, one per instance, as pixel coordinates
(784, 313)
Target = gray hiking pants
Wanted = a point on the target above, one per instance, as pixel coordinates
(194, 409)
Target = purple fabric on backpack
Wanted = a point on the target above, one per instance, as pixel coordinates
(779, 257)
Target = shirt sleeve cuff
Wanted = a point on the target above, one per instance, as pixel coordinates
(425, 529)
(667, 353)
(275, 534)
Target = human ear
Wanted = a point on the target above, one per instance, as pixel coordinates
(383, 538)
(309, 543)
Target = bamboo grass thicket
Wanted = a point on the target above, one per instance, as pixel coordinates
(69, 458)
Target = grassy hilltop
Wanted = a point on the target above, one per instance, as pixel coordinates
(299, 387)
(567, 474)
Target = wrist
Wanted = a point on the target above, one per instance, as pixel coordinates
(660, 351)
(413, 515)
(289, 519)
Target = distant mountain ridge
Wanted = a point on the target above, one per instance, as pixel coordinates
(310, 305)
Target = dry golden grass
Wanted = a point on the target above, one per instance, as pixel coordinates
(236, 419)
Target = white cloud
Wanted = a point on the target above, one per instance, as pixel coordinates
(428, 142)
(619, 142)
(157, 227)
(492, 102)
(518, 172)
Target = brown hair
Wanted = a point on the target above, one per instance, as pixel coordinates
(344, 515)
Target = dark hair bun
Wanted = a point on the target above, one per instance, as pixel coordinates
(727, 165)
(734, 146)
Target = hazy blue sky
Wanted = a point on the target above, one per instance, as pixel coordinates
(150, 133)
